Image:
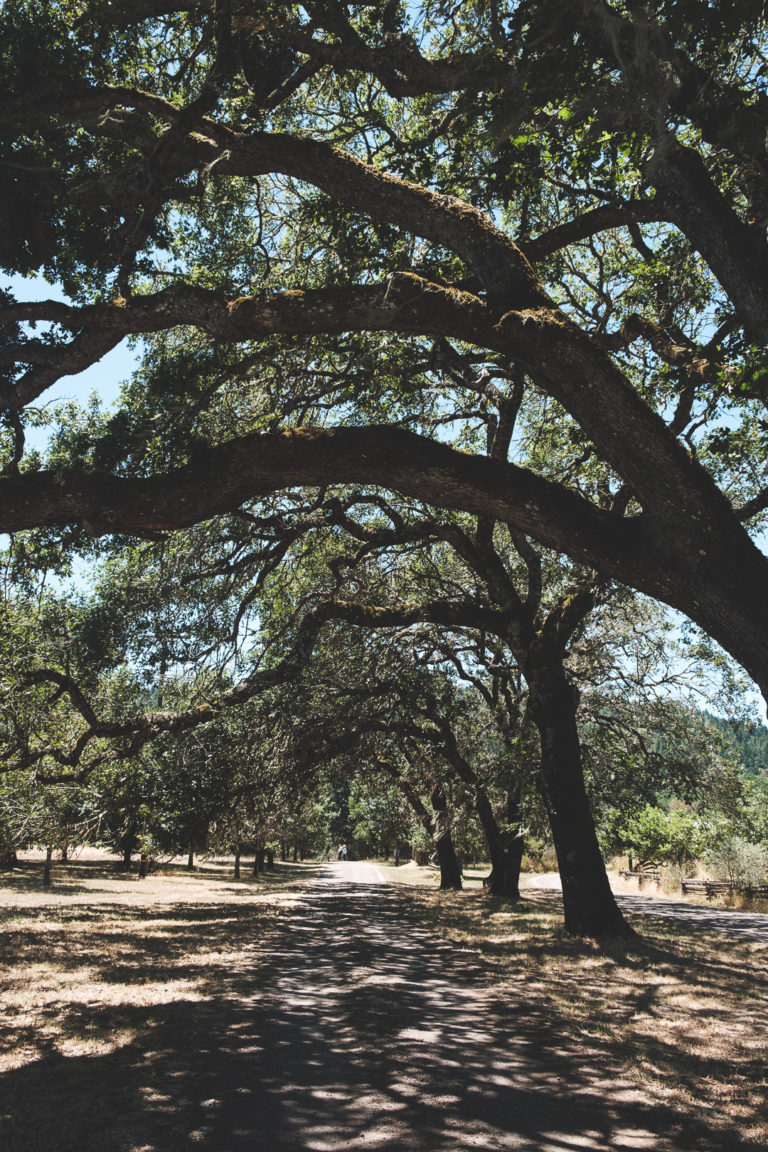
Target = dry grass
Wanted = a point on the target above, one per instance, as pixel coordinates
(681, 1012)
(103, 969)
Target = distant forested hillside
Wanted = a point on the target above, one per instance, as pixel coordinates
(752, 743)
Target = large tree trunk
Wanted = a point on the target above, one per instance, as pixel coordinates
(505, 848)
(504, 879)
(588, 903)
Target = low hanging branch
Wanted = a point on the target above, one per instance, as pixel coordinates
(144, 727)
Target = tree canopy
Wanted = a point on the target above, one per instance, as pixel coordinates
(338, 226)
(449, 317)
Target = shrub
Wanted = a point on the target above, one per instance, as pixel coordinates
(739, 861)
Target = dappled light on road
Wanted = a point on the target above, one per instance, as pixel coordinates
(369, 1032)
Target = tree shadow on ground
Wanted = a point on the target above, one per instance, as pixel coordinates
(339, 1021)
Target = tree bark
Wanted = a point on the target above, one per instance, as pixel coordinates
(735, 252)
(588, 903)
(237, 865)
(438, 826)
(504, 879)
(128, 846)
(507, 858)
(47, 867)
(270, 860)
(450, 869)
(191, 861)
(506, 852)
(505, 855)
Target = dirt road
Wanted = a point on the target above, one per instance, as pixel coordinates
(746, 925)
(366, 1031)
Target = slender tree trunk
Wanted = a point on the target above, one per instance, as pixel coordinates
(47, 867)
(588, 903)
(128, 846)
(505, 860)
(450, 869)
(283, 851)
(295, 853)
(191, 861)
(258, 863)
(237, 865)
(506, 852)
(270, 860)
(438, 826)
(64, 854)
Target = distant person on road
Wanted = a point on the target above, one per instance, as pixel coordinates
(342, 852)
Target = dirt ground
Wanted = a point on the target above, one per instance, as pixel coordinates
(322, 1009)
